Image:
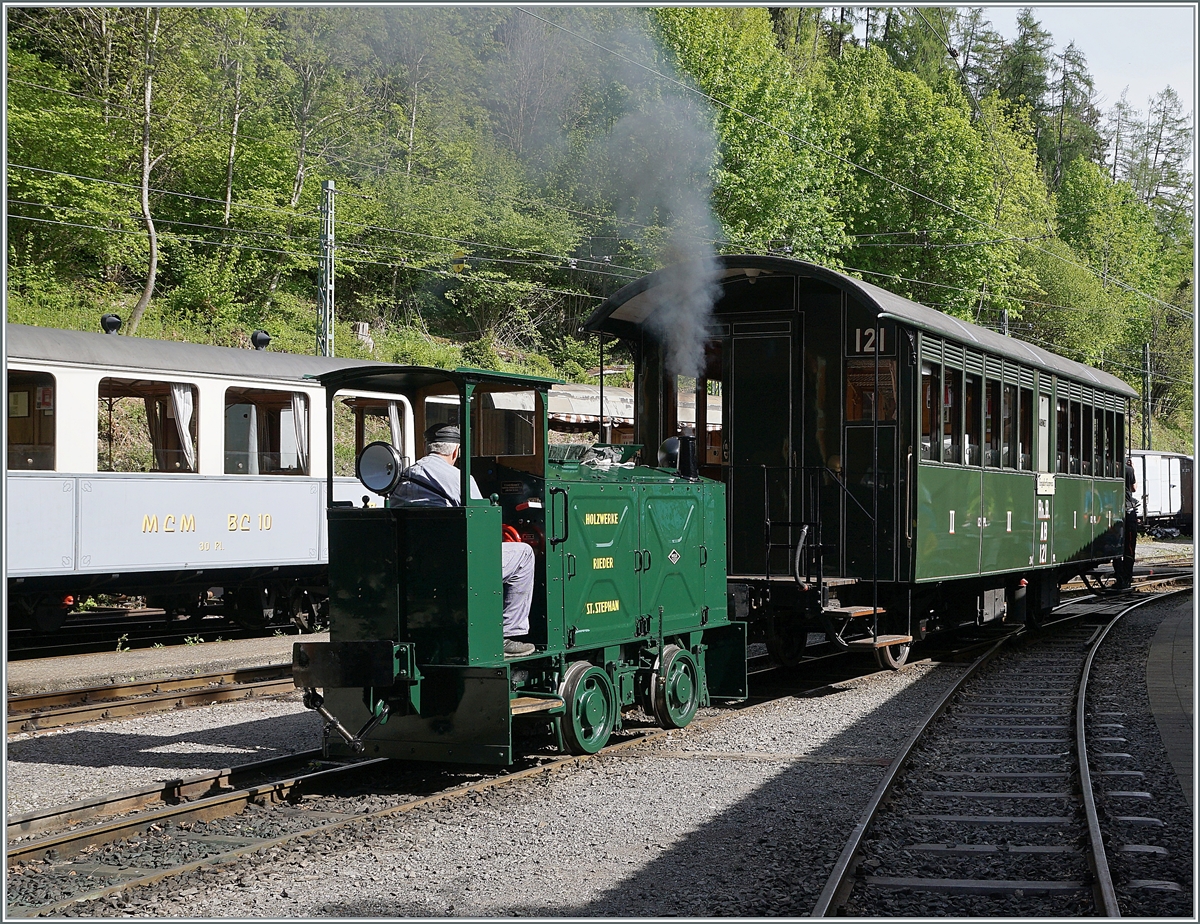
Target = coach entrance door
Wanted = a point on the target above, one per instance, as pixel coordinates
(758, 416)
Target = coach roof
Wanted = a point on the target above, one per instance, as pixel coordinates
(48, 344)
(627, 310)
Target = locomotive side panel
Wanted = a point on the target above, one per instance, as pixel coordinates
(601, 599)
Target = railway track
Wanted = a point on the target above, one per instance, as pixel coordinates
(60, 860)
(989, 807)
(36, 712)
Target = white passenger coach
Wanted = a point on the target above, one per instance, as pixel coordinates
(181, 472)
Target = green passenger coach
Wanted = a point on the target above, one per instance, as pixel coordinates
(889, 469)
(629, 604)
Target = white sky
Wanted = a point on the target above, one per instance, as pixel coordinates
(1145, 47)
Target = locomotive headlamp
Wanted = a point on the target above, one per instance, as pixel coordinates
(668, 453)
(379, 466)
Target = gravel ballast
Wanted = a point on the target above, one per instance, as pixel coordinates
(1118, 689)
(59, 767)
(745, 816)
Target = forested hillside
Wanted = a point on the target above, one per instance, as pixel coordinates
(499, 171)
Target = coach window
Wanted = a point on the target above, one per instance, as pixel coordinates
(952, 421)
(860, 389)
(146, 426)
(974, 411)
(1111, 448)
(1087, 418)
(1008, 448)
(1043, 435)
(1025, 431)
(931, 412)
(266, 432)
(30, 421)
(1062, 428)
(991, 426)
(1076, 458)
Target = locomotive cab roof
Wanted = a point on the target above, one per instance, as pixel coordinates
(390, 378)
(627, 311)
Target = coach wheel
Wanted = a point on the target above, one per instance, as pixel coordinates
(591, 708)
(892, 657)
(836, 629)
(306, 614)
(675, 688)
(786, 640)
(180, 609)
(251, 605)
(49, 615)
(1101, 581)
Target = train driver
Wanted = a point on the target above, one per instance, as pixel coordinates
(434, 481)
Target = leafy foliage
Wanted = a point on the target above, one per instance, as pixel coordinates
(499, 171)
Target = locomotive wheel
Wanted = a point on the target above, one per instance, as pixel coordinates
(591, 708)
(892, 657)
(786, 640)
(675, 688)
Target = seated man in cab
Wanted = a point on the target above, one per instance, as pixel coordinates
(435, 481)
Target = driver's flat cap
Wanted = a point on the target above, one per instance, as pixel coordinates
(443, 433)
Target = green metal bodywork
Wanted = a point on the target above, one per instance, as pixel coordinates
(1002, 525)
(633, 561)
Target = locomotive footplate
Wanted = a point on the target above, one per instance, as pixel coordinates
(375, 663)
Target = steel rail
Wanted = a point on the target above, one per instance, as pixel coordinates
(168, 792)
(73, 843)
(59, 709)
(1106, 893)
(842, 876)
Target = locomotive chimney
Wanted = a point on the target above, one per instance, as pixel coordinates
(688, 463)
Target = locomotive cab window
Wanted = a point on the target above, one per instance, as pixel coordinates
(147, 426)
(505, 426)
(266, 432)
(30, 421)
(361, 419)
